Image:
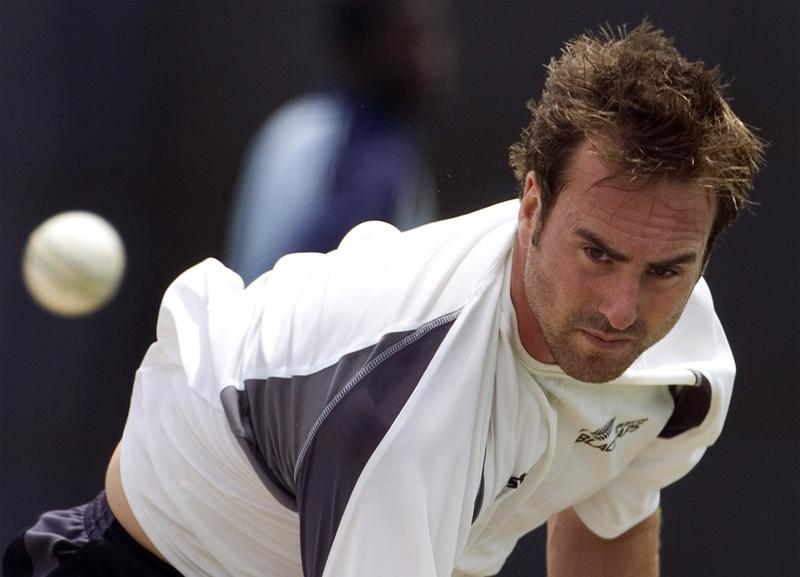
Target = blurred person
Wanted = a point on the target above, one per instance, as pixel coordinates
(326, 161)
(412, 403)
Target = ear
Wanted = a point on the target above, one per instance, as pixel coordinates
(528, 210)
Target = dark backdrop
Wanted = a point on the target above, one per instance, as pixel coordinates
(141, 111)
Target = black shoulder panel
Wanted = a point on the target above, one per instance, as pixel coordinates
(691, 407)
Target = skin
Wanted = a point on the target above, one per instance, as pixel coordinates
(611, 269)
(410, 56)
(574, 551)
(606, 276)
(119, 506)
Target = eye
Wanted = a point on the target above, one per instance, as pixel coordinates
(595, 254)
(662, 272)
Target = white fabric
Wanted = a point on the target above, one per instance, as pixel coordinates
(484, 409)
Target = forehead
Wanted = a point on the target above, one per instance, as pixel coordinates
(664, 209)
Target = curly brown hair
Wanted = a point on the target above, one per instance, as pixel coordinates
(648, 110)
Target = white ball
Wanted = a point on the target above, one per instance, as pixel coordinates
(73, 263)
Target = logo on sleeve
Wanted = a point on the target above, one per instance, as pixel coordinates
(515, 482)
(605, 438)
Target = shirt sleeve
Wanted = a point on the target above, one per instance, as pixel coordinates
(699, 341)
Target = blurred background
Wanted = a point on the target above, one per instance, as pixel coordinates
(144, 112)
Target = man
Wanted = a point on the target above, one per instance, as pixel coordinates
(329, 160)
(413, 403)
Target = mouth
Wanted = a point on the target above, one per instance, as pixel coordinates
(604, 341)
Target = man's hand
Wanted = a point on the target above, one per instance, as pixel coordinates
(574, 551)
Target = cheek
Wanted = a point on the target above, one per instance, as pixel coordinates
(663, 308)
(574, 284)
(574, 288)
(560, 284)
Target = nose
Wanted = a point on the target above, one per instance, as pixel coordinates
(620, 301)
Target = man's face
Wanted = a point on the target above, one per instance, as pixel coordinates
(414, 55)
(610, 271)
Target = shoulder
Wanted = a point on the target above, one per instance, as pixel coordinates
(378, 281)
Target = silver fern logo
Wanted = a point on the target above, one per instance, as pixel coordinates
(605, 438)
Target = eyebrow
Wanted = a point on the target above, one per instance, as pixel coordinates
(591, 237)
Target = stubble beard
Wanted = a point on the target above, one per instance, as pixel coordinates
(561, 336)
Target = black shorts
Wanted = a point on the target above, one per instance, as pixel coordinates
(85, 541)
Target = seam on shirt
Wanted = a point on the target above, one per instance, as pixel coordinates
(362, 373)
(288, 371)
